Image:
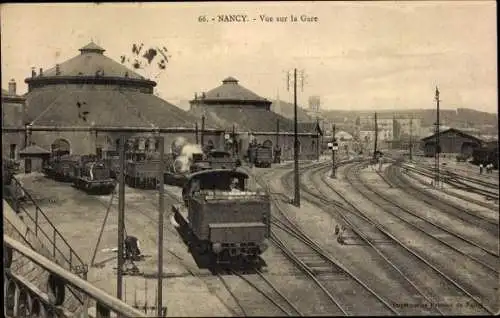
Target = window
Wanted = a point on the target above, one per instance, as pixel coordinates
(13, 151)
(98, 152)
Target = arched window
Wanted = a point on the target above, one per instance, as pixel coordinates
(268, 143)
(313, 145)
(61, 147)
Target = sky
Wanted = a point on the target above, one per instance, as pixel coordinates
(357, 55)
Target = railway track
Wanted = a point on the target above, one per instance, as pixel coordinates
(486, 255)
(454, 209)
(459, 181)
(364, 227)
(316, 263)
(451, 192)
(467, 283)
(326, 272)
(278, 304)
(247, 302)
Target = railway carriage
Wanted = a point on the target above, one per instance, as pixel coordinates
(230, 225)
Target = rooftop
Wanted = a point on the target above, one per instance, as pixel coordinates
(230, 90)
(90, 63)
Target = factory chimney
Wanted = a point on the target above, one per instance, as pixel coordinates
(58, 70)
(33, 72)
(12, 87)
(41, 72)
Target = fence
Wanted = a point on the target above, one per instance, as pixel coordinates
(23, 299)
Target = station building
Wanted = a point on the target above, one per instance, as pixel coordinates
(91, 90)
(232, 105)
(452, 142)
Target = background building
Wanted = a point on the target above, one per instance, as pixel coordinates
(452, 142)
(13, 116)
(232, 105)
(91, 90)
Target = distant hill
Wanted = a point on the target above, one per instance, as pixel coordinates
(286, 110)
(461, 117)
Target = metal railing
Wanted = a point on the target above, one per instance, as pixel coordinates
(23, 299)
(73, 261)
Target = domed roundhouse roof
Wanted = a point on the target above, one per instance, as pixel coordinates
(231, 91)
(116, 97)
(91, 65)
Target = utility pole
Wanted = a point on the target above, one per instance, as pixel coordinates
(277, 132)
(438, 146)
(196, 131)
(233, 141)
(202, 130)
(121, 219)
(161, 211)
(334, 166)
(317, 138)
(296, 200)
(296, 141)
(411, 137)
(376, 138)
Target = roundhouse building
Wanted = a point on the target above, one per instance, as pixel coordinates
(231, 104)
(92, 90)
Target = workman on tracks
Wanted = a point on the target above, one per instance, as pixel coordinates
(132, 248)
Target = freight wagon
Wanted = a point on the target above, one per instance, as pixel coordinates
(224, 219)
(260, 156)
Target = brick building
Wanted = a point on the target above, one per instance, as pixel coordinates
(92, 90)
(231, 104)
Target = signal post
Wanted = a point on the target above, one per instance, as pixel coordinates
(334, 146)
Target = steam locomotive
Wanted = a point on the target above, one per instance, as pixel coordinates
(225, 221)
(188, 158)
(86, 172)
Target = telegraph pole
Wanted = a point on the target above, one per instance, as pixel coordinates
(196, 131)
(296, 200)
(317, 138)
(334, 166)
(121, 219)
(202, 130)
(376, 138)
(438, 146)
(233, 141)
(161, 210)
(411, 137)
(296, 141)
